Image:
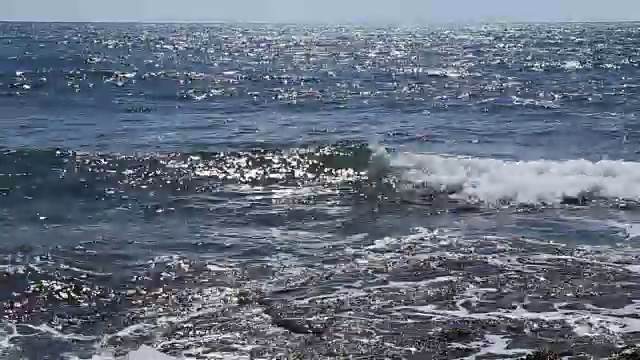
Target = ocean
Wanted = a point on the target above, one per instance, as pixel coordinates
(257, 191)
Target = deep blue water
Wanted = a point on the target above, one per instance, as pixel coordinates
(256, 191)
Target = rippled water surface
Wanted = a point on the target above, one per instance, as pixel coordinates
(281, 191)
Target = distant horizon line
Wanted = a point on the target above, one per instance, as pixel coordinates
(321, 23)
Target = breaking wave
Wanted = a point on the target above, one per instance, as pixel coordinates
(361, 167)
(541, 181)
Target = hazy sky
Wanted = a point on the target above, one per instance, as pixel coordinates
(400, 11)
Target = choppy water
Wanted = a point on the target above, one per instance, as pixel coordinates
(254, 191)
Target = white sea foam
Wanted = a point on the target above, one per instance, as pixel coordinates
(584, 323)
(494, 180)
(497, 345)
(143, 353)
(148, 353)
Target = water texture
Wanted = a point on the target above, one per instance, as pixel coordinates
(284, 191)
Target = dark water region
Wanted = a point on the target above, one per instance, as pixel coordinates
(287, 191)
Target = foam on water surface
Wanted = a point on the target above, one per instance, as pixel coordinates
(493, 180)
(147, 353)
(496, 345)
(429, 279)
(143, 353)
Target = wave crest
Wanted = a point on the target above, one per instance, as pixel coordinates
(540, 181)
